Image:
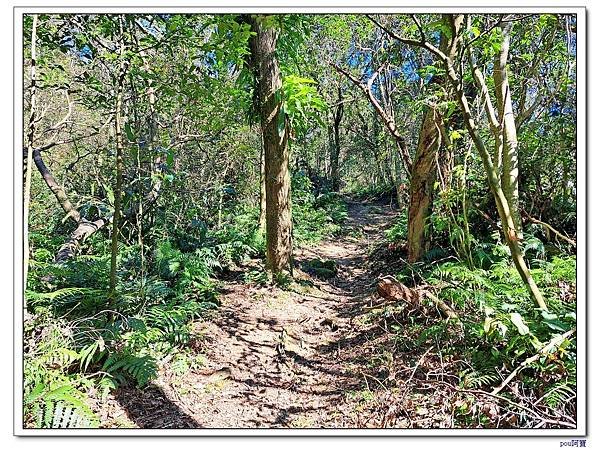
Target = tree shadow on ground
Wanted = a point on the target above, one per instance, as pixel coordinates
(150, 408)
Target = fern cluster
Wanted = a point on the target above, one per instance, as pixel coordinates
(77, 349)
(500, 326)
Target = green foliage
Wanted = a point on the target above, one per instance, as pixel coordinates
(302, 103)
(397, 233)
(91, 347)
(199, 143)
(141, 368)
(61, 406)
(315, 216)
(500, 326)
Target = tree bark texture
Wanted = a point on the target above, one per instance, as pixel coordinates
(421, 184)
(426, 168)
(275, 136)
(335, 150)
(510, 155)
(262, 220)
(30, 135)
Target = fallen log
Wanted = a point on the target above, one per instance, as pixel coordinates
(393, 291)
(84, 230)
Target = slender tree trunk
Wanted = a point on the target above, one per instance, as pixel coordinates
(275, 135)
(508, 225)
(387, 119)
(262, 220)
(30, 136)
(335, 150)
(119, 166)
(421, 184)
(151, 127)
(510, 155)
(456, 23)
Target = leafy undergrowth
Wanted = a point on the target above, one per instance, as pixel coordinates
(460, 365)
(316, 215)
(80, 345)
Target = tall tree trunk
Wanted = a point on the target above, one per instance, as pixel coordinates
(335, 150)
(421, 184)
(456, 23)
(510, 155)
(425, 170)
(262, 220)
(508, 224)
(119, 166)
(275, 136)
(30, 136)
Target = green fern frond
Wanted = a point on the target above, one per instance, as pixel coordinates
(59, 407)
(141, 368)
(59, 358)
(477, 379)
(559, 394)
(61, 294)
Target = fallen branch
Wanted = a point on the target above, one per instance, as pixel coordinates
(510, 402)
(554, 230)
(84, 230)
(554, 342)
(56, 188)
(446, 310)
(393, 291)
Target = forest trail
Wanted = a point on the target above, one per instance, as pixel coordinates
(276, 358)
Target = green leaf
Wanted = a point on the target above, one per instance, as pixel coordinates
(455, 135)
(281, 123)
(129, 133)
(518, 322)
(553, 322)
(109, 194)
(170, 157)
(36, 393)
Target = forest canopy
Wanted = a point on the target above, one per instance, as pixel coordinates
(384, 204)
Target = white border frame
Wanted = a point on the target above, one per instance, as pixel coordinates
(317, 8)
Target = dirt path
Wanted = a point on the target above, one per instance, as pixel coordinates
(276, 358)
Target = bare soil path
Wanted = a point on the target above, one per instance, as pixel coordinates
(274, 357)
